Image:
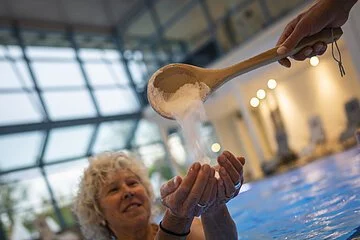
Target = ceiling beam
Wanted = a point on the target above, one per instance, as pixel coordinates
(45, 126)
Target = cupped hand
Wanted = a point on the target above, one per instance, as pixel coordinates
(186, 197)
(231, 179)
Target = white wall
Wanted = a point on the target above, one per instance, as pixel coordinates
(303, 90)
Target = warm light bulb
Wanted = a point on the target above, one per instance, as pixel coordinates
(215, 147)
(272, 84)
(254, 102)
(314, 61)
(261, 94)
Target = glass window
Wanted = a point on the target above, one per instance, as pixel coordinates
(23, 74)
(28, 192)
(177, 148)
(118, 69)
(151, 154)
(146, 133)
(99, 54)
(13, 51)
(19, 108)
(19, 150)
(138, 72)
(117, 101)
(14, 74)
(9, 77)
(51, 74)
(65, 105)
(101, 74)
(50, 52)
(64, 179)
(113, 136)
(2, 51)
(68, 142)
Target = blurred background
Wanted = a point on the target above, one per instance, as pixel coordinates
(73, 78)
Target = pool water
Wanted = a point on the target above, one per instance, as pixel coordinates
(318, 201)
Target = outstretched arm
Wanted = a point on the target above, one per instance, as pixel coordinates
(217, 221)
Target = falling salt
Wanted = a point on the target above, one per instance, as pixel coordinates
(187, 108)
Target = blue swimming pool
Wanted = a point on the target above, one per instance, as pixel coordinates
(318, 201)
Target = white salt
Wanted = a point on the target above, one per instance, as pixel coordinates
(187, 108)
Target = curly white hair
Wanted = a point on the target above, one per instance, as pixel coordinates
(86, 205)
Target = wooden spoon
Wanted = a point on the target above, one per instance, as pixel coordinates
(171, 77)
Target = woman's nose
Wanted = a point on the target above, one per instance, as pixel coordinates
(128, 194)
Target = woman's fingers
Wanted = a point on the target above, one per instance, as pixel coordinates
(228, 183)
(187, 184)
(198, 188)
(234, 161)
(170, 186)
(225, 163)
(221, 190)
(285, 62)
(205, 198)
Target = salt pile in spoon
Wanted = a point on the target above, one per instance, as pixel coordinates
(187, 108)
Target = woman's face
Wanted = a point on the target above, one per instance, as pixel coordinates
(124, 200)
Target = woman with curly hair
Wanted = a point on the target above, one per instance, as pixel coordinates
(115, 198)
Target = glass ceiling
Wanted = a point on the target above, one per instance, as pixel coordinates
(79, 82)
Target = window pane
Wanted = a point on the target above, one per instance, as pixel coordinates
(8, 75)
(146, 133)
(68, 142)
(138, 72)
(58, 74)
(12, 157)
(98, 54)
(23, 74)
(113, 136)
(13, 51)
(19, 108)
(50, 52)
(14, 75)
(2, 51)
(65, 105)
(150, 154)
(177, 148)
(120, 73)
(91, 54)
(29, 191)
(117, 101)
(100, 74)
(112, 54)
(64, 179)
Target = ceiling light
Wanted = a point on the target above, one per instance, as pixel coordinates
(272, 84)
(261, 94)
(254, 102)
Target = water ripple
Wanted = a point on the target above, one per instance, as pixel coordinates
(318, 201)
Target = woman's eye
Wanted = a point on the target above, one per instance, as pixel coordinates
(112, 190)
(133, 183)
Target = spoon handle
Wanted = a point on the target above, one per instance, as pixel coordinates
(327, 36)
